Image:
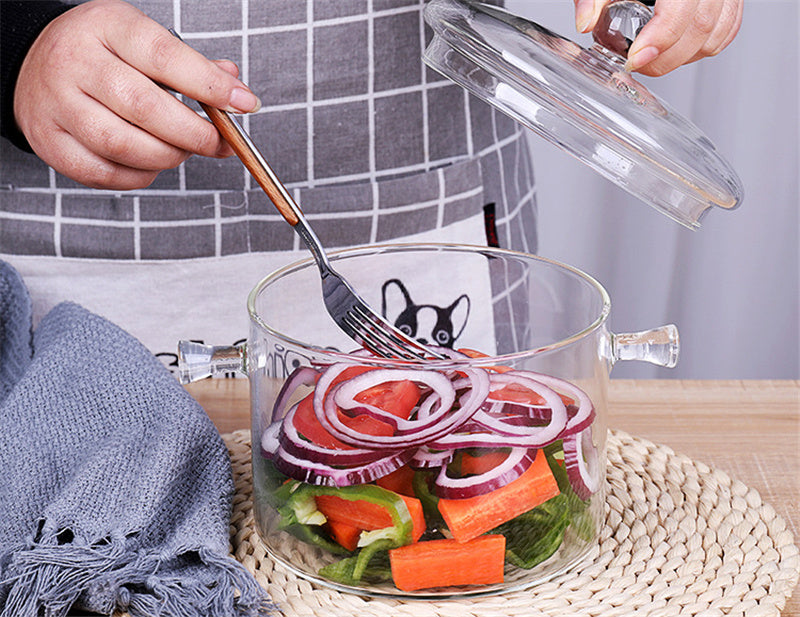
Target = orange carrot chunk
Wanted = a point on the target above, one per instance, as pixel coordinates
(345, 534)
(414, 506)
(447, 563)
(469, 518)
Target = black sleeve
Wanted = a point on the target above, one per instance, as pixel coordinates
(21, 21)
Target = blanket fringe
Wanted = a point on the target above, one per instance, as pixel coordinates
(50, 579)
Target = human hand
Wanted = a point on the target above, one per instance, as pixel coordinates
(681, 31)
(91, 102)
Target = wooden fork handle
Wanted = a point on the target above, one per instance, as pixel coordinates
(254, 163)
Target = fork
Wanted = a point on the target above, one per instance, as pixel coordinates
(350, 312)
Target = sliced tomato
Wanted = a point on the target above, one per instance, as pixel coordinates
(395, 397)
(401, 481)
(479, 354)
(367, 425)
(307, 424)
(475, 464)
(518, 393)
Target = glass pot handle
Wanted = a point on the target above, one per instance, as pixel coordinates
(198, 361)
(620, 22)
(658, 346)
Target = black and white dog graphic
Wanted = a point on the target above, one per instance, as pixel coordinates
(427, 323)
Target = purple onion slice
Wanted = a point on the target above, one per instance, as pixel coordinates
(292, 442)
(582, 463)
(511, 468)
(301, 376)
(440, 421)
(583, 415)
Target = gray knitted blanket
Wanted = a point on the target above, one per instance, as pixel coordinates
(115, 487)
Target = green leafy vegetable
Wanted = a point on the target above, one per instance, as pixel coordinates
(535, 535)
(370, 564)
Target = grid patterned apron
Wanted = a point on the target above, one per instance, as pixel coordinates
(374, 146)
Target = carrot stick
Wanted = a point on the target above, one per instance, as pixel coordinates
(469, 518)
(446, 563)
(368, 516)
(400, 481)
(344, 534)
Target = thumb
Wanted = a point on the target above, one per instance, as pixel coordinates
(586, 14)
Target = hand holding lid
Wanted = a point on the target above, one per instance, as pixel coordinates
(583, 100)
(685, 31)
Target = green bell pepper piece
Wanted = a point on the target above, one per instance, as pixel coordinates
(300, 517)
(579, 514)
(536, 534)
(430, 502)
(295, 514)
(370, 564)
(402, 525)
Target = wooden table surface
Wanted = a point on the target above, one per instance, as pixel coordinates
(748, 429)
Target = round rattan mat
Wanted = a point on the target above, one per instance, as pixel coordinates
(679, 539)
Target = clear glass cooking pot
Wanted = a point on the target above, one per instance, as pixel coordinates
(472, 475)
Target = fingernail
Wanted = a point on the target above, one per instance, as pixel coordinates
(641, 58)
(244, 101)
(584, 11)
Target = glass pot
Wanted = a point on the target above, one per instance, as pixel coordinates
(472, 475)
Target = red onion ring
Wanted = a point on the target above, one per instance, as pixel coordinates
(345, 394)
(269, 440)
(301, 376)
(291, 442)
(537, 436)
(325, 475)
(425, 458)
(582, 463)
(440, 422)
(511, 468)
(520, 410)
(455, 410)
(485, 439)
(585, 412)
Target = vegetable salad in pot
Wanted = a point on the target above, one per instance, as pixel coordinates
(472, 474)
(425, 479)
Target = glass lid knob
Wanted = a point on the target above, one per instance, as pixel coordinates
(619, 23)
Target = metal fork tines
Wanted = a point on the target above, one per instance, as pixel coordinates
(358, 320)
(365, 326)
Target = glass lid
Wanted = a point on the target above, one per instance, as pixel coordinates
(583, 100)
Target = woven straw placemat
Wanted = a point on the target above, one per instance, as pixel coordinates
(679, 539)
